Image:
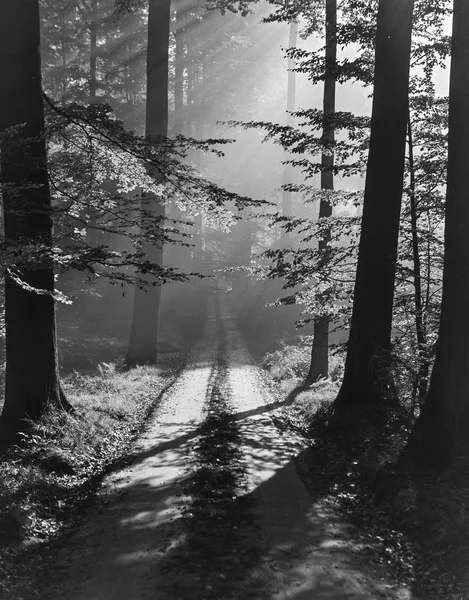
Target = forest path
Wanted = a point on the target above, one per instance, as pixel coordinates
(211, 507)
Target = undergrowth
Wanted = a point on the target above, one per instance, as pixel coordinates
(289, 364)
(415, 523)
(49, 476)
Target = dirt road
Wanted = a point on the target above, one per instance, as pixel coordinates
(212, 507)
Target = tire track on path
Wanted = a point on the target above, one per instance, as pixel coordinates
(137, 518)
(219, 547)
(212, 507)
(305, 550)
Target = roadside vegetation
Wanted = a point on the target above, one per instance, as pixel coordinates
(415, 521)
(58, 463)
(62, 459)
(117, 166)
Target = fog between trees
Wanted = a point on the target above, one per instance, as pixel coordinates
(170, 156)
(280, 186)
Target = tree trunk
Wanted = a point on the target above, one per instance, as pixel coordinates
(288, 169)
(320, 352)
(92, 233)
(145, 323)
(367, 381)
(63, 52)
(31, 377)
(179, 69)
(195, 128)
(93, 47)
(420, 329)
(178, 253)
(441, 430)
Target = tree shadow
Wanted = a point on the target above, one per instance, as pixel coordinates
(350, 464)
(185, 434)
(238, 525)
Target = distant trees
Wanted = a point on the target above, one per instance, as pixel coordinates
(441, 430)
(367, 379)
(145, 322)
(291, 93)
(94, 167)
(31, 376)
(320, 351)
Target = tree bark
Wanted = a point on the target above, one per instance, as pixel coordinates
(441, 430)
(320, 351)
(145, 323)
(287, 168)
(367, 380)
(31, 377)
(420, 329)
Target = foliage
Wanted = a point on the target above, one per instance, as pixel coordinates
(44, 481)
(322, 281)
(291, 362)
(412, 521)
(99, 174)
(409, 521)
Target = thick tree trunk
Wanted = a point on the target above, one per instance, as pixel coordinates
(145, 323)
(287, 175)
(366, 379)
(441, 430)
(320, 352)
(31, 377)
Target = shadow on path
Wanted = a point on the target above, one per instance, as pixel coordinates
(238, 524)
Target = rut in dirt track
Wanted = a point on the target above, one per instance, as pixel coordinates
(212, 507)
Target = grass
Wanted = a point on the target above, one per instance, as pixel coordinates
(415, 523)
(285, 370)
(45, 481)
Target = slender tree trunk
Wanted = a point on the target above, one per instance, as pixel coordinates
(420, 330)
(195, 128)
(93, 47)
(287, 168)
(131, 121)
(63, 53)
(31, 377)
(178, 252)
(145, 323)
(197, 250)
(441, 430)
(320, 351)
(179, 69)
(366, 379)
(198, 234)
(92, 233)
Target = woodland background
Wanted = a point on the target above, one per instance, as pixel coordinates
(306, 162)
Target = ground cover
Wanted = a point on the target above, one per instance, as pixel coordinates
(48, 478)
(415, 522)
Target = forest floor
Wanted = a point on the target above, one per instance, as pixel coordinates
(211, 506)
